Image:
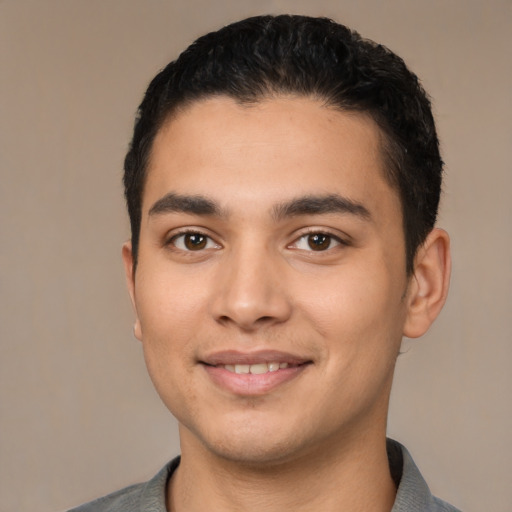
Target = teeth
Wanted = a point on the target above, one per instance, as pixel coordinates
(258, 369)
(255, 369)
(242, 368)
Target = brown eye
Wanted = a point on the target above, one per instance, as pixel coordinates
(195, 241)
(192, 241)
(319, 241)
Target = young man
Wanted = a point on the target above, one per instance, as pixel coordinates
(282, 183)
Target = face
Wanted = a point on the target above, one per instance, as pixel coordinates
(270, 290)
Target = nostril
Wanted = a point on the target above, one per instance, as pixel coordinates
(247, 324)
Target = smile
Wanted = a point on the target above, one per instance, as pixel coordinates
(254, 369)
(253, 374)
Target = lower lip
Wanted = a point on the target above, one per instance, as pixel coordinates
(248, 384)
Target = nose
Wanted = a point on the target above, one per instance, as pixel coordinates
(252, 291)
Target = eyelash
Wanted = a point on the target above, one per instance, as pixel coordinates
(189, 232)
(171, 242)
(331, 236)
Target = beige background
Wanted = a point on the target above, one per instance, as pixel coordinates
(79, 417)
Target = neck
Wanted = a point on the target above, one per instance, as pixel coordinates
(353, 477)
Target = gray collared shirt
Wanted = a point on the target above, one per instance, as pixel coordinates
(413, 494)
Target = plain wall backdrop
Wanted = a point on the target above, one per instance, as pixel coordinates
(79, 417)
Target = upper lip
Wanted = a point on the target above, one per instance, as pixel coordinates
(233, 357)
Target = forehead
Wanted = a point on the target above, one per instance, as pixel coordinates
(261, 152)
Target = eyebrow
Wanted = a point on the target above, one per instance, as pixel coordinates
(304, 205)
(320, 204)
(194, 204)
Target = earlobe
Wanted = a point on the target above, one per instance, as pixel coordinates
(130, 281)
(428, 287)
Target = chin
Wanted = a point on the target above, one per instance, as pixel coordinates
(246, 442)
(256, 453)
(260, 445)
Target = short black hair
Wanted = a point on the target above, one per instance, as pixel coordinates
(267, 56)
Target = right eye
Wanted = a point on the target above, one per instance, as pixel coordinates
(192, 241)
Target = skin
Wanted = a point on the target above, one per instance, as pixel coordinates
(257, 280)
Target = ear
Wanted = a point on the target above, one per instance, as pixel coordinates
(428, 286)
(130, 281)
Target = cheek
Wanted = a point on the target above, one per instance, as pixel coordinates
(168, 302)
(170, 309)
(360, 321)
(357, 308)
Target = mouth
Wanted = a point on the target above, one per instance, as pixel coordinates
(255, 369)
(253, 374)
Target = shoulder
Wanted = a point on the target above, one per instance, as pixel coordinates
(144, 497)
(127, 499)
(442, 506)
(413, 494)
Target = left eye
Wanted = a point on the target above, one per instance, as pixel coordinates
(316, 242)
(193, 242)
